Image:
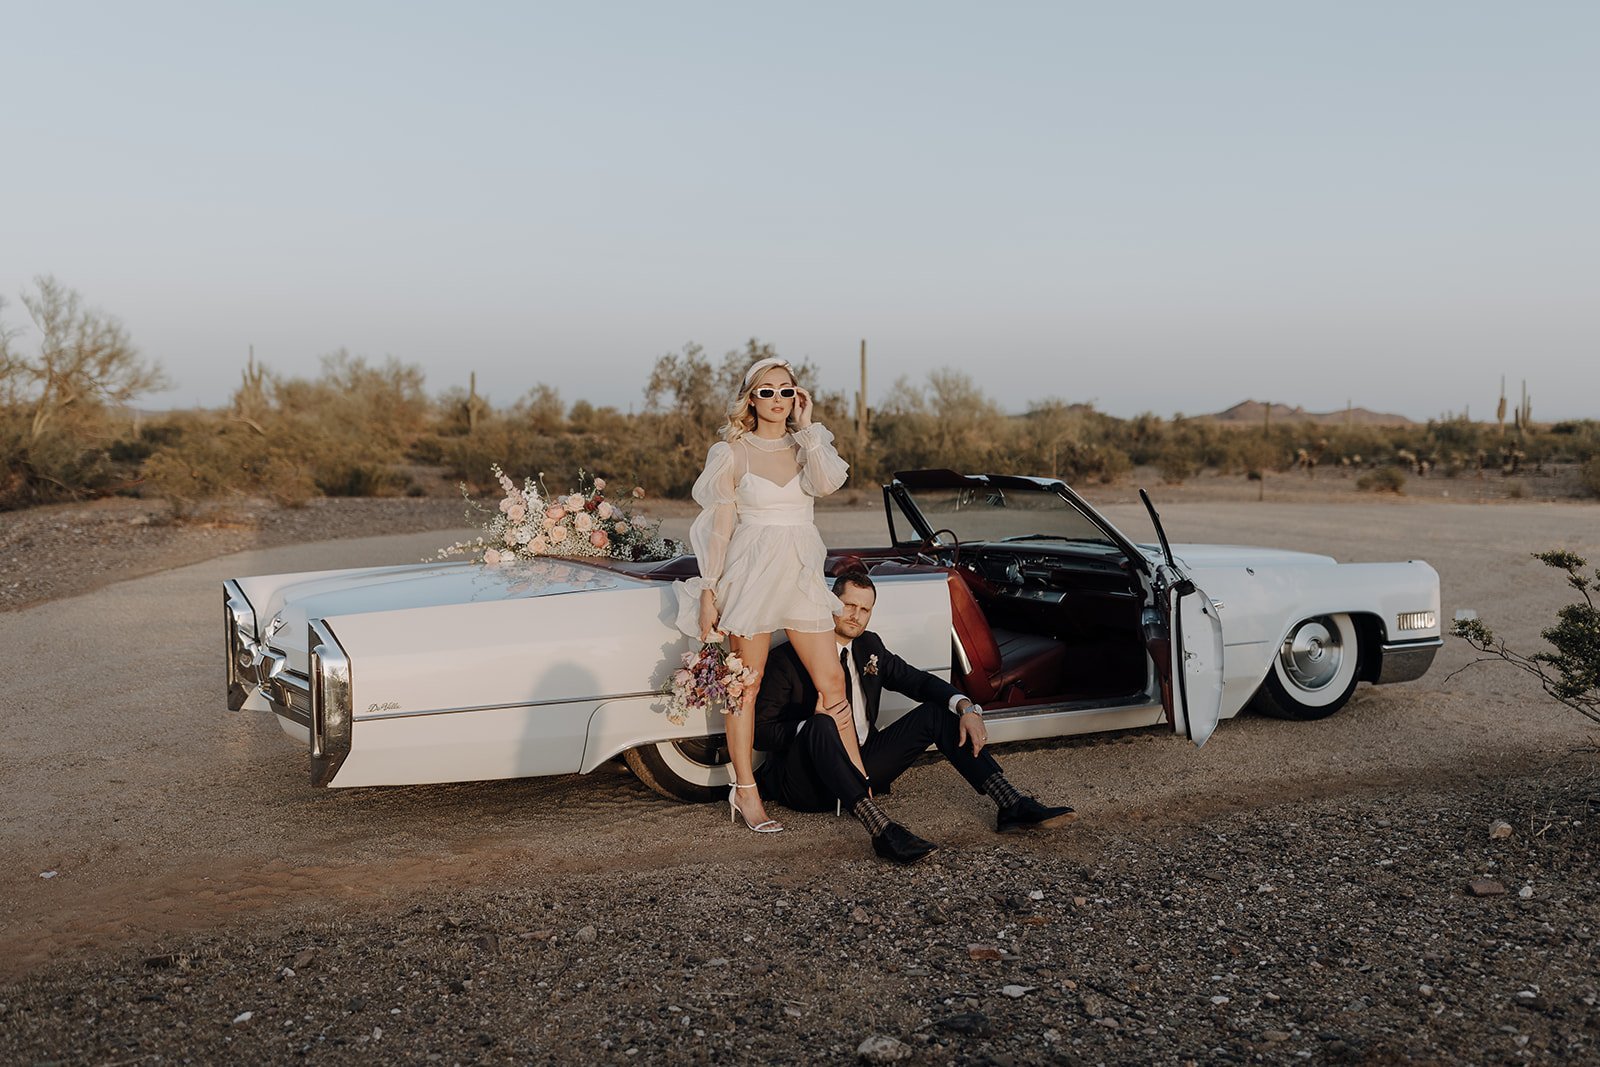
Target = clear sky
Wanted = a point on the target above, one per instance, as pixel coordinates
(1150, 206)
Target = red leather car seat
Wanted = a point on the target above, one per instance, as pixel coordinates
(1003, 667)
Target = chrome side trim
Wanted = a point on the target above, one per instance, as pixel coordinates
(1133, 701)
(331, 702)
(502, 707)
(1406, 661)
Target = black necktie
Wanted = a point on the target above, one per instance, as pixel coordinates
(844, 661)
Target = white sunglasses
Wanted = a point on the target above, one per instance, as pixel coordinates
(767, 392)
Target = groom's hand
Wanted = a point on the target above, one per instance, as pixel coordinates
(971, 728)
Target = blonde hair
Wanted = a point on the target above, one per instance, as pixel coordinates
(741, 419)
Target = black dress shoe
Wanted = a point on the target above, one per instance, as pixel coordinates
(1029, 814)
(897, 843)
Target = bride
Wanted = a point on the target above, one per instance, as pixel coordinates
(761, 558)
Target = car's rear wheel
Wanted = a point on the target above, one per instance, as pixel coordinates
(1314, 671)
(694, 770)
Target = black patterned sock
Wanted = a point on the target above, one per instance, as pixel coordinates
(1002, 792)
(872, 817)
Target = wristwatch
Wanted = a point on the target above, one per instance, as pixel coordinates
(976, 709)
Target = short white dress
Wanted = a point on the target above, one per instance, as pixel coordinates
(755, 538)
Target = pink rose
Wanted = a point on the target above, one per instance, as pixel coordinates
(575, 502)
(511, 536)
(558, 535)
(638, 493)
(584, 522)
(492, 556)
(555, 512)
(605, 511)
(599, 485)
(517, 512)
(538, 545)
(599, 539)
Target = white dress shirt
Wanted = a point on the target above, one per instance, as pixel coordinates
(859, 706)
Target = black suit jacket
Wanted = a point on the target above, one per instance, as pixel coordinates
(787, 695)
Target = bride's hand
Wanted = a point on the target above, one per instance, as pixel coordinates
(802, 408)
(708, 618)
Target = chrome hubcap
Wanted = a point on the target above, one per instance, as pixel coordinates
(1312, 655)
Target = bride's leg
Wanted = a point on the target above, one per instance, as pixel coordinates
(819, 654)
(741, 728)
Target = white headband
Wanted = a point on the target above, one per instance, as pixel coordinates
(760, 365)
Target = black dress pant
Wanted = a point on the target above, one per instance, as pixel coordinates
(811, 772)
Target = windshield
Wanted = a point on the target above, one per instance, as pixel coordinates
(992, 513)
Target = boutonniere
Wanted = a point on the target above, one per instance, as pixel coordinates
(872, 665)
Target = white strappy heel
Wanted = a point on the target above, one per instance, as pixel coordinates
(771, 826)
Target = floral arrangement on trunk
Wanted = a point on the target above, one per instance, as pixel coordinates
(532, 522)
(710, 679)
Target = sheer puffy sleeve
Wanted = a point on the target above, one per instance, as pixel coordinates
(821, 469)
(711, 531)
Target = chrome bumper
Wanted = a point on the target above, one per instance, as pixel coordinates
(321, 703)
(1406, 661)
(252, 665)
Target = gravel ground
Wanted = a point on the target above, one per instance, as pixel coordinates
(1314, 875)
(1340, 931)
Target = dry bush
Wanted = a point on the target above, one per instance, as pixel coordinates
(288, 439)
(63, 417)
(1589, 476)
(1382, 480)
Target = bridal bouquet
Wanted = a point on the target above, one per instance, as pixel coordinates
(533, 522)
(710, 678)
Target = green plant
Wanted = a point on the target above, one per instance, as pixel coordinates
(1382, 480)
(1571, 673)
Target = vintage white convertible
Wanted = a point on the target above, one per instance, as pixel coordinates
(1014, 588)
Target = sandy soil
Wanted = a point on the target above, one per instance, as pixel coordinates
(171, 828)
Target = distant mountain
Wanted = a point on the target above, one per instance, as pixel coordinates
(1252, 412)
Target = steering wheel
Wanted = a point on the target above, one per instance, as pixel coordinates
(928, 552)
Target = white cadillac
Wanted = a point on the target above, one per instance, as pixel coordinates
(1014, 588)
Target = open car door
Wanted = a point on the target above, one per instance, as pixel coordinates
(1184, 636)
(1196, 692)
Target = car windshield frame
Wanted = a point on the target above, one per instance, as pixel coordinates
(985, 488)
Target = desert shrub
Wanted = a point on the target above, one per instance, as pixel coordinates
(1382, 480)
(1175, 467)
(207, 456)
(1589, 476)
(1516, 490)
(63, 400)
(1571, 671)
(359, 479)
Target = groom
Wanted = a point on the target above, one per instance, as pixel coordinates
(807, 768)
